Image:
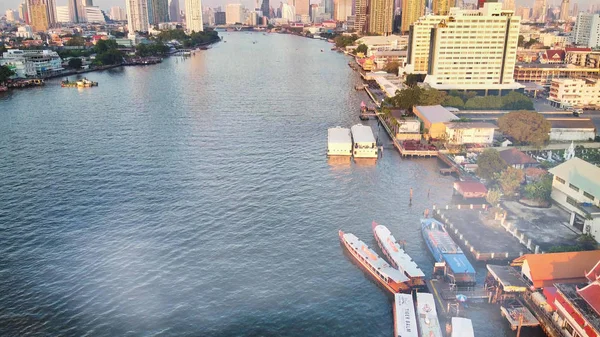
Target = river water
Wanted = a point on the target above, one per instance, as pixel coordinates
(194, 198)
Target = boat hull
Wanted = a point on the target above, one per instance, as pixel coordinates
(391, 287)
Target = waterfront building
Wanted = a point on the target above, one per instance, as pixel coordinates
(234, 13)
(442, 7)
(193, 16)
(93, 14)
(77, 13)
(220, 18)
(32, 62)
(137, 16)
(382, 58)
(587, 30)
(381, 16)
(551, 56)
(470, 133)
(412, 10)
(433, 118)
(580, 92)
(576, 56)
(419, 43)
(360, 16)
(62, 14)
(576, 188)
(578, 307)
(569, 267)
(381, 43)
(342, 9)
(543, 74)
(25, 32)
(118, 13)
(38, 15)
(474, 50)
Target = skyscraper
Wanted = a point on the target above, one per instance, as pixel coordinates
(564, 11)
(342, 9)
(381, 16)
(88, 3)
(508, 5)
(117, 14)
(587, 30)
(539, 10)
(265, 8)
(174, 11)
(301, 6)
(12, 15)
(412, 10)
(575, 10)
(23, 12)
(441, 7)
(360, 16)
(233, 13)
(76, 11)
(62, 14)
(193, 16)
(158, 11)
(38, 15)
(137, 16)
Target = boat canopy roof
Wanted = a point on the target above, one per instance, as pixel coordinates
(427, 316)
(373, 259)
(396, 253)
(462, 327)
(439, 237)
(459, 263)
(339, 135)
(406, 321)
(362, 134)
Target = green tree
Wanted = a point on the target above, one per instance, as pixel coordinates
(3, 49)
(453, 101)
(493, 197)
(526, 127)
(75, 41)
(539, 190)
(109, 57)
(103, 46)
(510, 180)
(516, 101)
(414, 79)
(521, 40)
(75, 63)
(489, 164)
(431, 97)
(392, 68)
(5, 73)
(407, 98)
(362, 48)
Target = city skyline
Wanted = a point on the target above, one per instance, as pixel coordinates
(107, 4)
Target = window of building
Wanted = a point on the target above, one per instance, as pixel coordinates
(560, 180)
(572, 202)
(591, 197)
(574, 188)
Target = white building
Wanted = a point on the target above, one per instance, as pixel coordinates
(576, 187)
(12, 15)
(587, 30)
(460, 133)
(382, 43)
(62, 14)
(554, 40)
(32, 62)
(193, 16)
(474, 50)
(576, 92)
(342, 9)
(118, 14)
(93, 14)
(208, 16)
(571, 129)
(25, 32)
(137, 16)
(419, 43)
(288, 13)
(234, 14)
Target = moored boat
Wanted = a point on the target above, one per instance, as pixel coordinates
(339, 142)
(429, 324)
(83, 83)
(405, 321)
(444, 249)
(364, 143)
(391, 279)
(397, 257)
(462, 327)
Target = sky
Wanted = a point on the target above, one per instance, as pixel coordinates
(106, 4)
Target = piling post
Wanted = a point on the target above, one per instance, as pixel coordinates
(537, 249)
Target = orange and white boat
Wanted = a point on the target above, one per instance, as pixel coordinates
(397, 256)
(390, 278)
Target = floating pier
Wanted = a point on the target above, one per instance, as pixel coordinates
(518, 316)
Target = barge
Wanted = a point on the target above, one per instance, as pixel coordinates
(405, 320)
(364, 144)
(397, 257)
(82, 83)
(462, 327)
(339, 142)
(445, 250)
(391, 279)
(429, 324)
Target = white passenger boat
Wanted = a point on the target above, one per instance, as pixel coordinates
(364, 144)
(339, 142)
(429, 325)
(405, 322)
(397, 256)
(462, 327)
(390, 278)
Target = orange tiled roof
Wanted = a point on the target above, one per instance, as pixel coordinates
(559, 267)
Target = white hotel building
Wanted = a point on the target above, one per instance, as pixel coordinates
(471, 50)
(575, 92)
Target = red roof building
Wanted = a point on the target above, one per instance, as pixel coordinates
(470, 189)
(578, 308)
(518, 159)
(553, 56)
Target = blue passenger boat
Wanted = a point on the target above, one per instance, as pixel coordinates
(444, 249)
